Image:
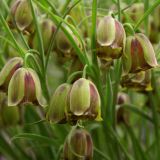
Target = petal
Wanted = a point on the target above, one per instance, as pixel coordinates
(16, 87)
(95, 106)
(10, 67)
(40, 98)
(57, 111)
(106, 31)
(80, 97)
(149, 53)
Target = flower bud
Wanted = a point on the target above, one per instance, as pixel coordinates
(84, 100)
(22, 15)
(63, 46)
(122, 98)
(139, 54)
(110, 38)
(78, 146)
(28, 88)
(8, 70)
(47, 30)
(140, 81)
(57, 111)
(122, 113)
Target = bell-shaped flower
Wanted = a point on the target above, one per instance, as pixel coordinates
(139, 54)
(78, 145)
(25, 87)
(110, 38)
(84, 100)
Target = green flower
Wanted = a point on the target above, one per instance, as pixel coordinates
(139, 54)
(110, 38)
(25, 87)
(57, 111)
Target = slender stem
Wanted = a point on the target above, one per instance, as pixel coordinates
(119, 10)
(65, 6)
(55, 33)
(40, 41)
(73, 75)
(21, 52)
(101, 154)
(84, 71)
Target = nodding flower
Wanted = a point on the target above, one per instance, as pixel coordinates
(25, 87)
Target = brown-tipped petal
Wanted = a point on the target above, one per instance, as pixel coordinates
(38, 91)
(23, 15)
(148, 50)
(94, 111)
(8, 70)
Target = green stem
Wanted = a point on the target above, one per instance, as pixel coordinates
(119, 10)
(20, 50)
(65, 6)
(156, 3)
(55, 33)
(101, 154)
(84, 71)
(40, 41)
(93, 38)
(73, 75)
(118, 72)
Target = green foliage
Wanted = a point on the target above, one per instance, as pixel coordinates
(130, 126)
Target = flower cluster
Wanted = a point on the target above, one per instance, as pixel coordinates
(80, 101)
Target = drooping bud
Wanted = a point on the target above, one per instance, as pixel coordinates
(47, 30)
(57, 111)
(78, 146)
(110, 38)
(22, 15)
(122, 113)
(139, 54)
(28, 88)
(84, 100)
(140, 81)
(8, 70)
(122, 98)
(63, 46)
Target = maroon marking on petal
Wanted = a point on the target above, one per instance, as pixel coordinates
(29, 91)
(8, 78)
(91, 112)
(137, 55)
(118, 42)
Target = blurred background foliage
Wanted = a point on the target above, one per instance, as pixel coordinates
(136, 136)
